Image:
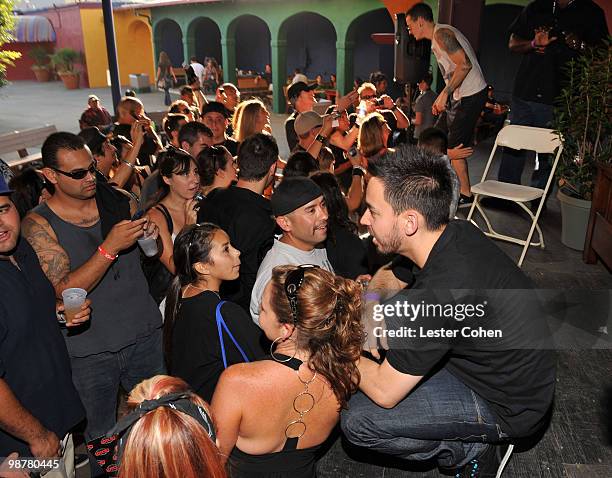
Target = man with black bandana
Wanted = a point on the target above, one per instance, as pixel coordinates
(548, 34)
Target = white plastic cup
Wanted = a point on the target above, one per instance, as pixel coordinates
(148, 246)
(73, 300)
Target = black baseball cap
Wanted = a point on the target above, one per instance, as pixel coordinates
(293, 193)
(295, 89)
(215, 107)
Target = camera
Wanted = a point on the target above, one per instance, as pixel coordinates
(379, 102)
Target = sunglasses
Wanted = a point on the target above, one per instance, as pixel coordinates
(293, 282)
(368, 97)
(78, 173)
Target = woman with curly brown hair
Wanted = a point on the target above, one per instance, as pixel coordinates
(274, 414)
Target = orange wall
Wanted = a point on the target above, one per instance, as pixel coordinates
(134, 46)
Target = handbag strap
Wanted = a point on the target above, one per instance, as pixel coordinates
(221, 324)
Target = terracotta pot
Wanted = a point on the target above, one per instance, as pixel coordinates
(42, 74)
(71, 80)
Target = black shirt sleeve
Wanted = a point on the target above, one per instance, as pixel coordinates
(292, 139)
(402, 269)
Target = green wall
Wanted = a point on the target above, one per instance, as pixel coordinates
(341, 13)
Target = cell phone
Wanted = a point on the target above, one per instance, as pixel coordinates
(379, 102)
(352, 152)
(134, 115)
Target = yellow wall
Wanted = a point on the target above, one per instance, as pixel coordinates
(134, 45)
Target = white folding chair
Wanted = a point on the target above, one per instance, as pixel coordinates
(540, 140)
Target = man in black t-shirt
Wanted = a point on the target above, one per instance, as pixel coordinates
(474, 393)
(548, 34)
(40, 405)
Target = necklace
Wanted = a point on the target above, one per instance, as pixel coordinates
(203, 289)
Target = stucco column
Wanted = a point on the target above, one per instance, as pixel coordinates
(344, 66)
(186, 49)
(228, 50)
(279, 74)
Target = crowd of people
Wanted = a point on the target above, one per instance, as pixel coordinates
(244, 339)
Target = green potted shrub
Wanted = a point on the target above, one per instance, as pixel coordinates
(41, 66)
(64, 60)
(582, 118)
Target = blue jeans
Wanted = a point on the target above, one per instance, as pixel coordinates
(442, 420)
(97, 379)
(526, 113)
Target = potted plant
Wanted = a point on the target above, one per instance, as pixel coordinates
(583, 119)
(40, 56)
(64, 61)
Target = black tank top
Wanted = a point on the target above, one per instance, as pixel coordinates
(286, 463)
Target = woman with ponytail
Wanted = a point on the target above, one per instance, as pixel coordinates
(202, 333)
(174, 438)
(273, 415)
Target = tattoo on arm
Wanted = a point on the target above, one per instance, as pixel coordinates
(52, 257)
(448, 40)
(451, 45)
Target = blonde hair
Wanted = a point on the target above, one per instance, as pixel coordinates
(130, 105)
(245, 125)
(370, 140)
(236, 117)
(366, 86)
(167, 443)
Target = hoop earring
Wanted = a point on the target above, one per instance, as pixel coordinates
(272, 352)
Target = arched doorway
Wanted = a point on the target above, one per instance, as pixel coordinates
(252, 43)
(169, 38)
(367, 55)
(311, 44)
(205, 39)
(498, 64)
(139, 36)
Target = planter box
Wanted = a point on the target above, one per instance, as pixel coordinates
(599, 233)
(140, 82)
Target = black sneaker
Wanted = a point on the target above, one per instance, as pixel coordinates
(465, 201)
(490, 464)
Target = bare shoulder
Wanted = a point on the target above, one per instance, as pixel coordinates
(35, 227)
(52, 257)
(447, 39)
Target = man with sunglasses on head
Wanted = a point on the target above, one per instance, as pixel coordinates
(84, 238)
(299, 208)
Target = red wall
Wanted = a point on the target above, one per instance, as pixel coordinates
(66, 22)
(22, 70)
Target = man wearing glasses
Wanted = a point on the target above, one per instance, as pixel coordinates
(84, 238)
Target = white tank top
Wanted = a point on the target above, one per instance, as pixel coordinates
(474, 81)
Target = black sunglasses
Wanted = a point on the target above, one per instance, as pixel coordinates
(78, 173)
(293, 282)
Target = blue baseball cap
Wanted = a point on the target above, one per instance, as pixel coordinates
(4, 189)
